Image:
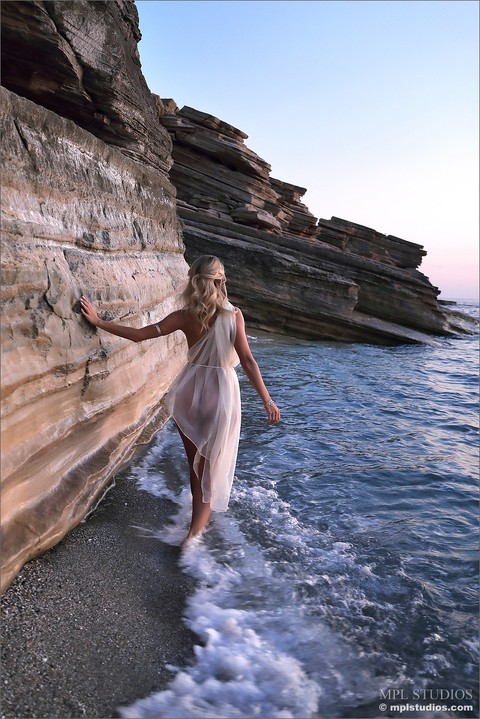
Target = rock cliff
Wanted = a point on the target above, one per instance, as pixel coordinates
(87, 209)
(292, 273)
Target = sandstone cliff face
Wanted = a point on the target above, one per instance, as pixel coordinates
(84, 212)
(88, 208)
(289, 272)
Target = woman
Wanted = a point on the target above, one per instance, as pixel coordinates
(204, 400)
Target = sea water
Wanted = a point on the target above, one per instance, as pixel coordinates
(343, 579)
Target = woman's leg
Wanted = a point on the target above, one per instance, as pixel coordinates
(200, 509)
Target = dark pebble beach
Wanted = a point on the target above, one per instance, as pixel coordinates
(94, 622)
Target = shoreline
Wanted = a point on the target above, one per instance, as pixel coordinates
(91, 624)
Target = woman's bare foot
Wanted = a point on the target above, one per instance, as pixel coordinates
(189, 538)
(185, 541)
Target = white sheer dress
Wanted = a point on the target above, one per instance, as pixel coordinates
(204, 401)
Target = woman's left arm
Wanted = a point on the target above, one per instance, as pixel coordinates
(252, 370)
(171, 323)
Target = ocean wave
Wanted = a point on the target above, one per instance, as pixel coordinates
(345, 564)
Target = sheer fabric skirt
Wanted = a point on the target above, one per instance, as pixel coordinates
(204, 401)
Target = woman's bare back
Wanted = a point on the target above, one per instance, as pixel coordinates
(192, 328)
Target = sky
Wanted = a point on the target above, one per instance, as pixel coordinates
(372, 105)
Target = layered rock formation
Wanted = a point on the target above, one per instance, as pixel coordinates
(292, 273)
(80, 59)
(87, 209)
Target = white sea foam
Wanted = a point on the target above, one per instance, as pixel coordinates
(335, 573)
(261, 653)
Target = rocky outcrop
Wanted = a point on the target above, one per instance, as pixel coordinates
(80, 59)
(292, 273)
(87, 209)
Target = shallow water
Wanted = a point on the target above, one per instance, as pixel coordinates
(346, 567)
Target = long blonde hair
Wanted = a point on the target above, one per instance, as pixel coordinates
(206, 293)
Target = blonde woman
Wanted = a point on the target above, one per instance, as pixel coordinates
(204, 400)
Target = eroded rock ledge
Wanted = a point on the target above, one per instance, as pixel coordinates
(87, 209)
(80, 59)
(292, 273)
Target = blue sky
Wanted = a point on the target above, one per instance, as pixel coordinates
(370, 105)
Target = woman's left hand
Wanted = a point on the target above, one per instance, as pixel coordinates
(273, 413)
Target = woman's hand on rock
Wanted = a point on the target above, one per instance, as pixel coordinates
(89, 311)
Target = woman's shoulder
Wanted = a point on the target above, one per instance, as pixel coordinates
(180, 315)
(237, 314)
(239, 319)
(190, 322)
(232, 308)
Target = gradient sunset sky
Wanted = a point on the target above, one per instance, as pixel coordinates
(370, 105)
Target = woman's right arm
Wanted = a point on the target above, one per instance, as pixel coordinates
(171, 323)
(252, 370)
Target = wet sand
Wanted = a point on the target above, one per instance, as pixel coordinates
(93, 623)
